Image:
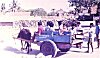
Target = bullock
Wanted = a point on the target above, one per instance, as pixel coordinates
(25, 35)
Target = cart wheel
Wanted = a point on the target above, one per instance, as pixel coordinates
(48, 48)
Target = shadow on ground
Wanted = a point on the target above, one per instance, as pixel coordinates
(60, 53)
(72, 51)
(11, 49)
(76, 51)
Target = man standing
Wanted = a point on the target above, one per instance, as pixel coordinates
(97, 33)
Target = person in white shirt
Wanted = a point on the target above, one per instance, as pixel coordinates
(73, 31)
(91, 36)
(79, 26)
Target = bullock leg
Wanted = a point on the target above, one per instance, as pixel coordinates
(22, 45)
(28, 49)
(25, 45)
(30, 46)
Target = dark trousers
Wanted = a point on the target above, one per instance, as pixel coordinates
(97, 37)
(90, 42)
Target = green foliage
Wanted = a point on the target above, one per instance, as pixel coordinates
(38, 12)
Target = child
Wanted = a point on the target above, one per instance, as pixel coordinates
(49, 26)
(73, 31)
(63, 28)
(39, 32)
(91, 37)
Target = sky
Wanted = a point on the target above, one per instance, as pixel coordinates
(33, 4)
(5, 1)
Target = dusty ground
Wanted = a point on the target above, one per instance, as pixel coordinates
(10, 48)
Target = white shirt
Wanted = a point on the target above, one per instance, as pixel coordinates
(73, 32)
(79, 27)
(92, 31)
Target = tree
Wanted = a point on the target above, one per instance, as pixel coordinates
(52, 13)
(2, 7)
(14, 6)
(38, 12)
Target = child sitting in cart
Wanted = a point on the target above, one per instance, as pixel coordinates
(40, 30)
(63, 28)
(49, 26)
(44, 31)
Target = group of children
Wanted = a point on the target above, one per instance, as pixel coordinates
(93, 30)
(93, 33)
